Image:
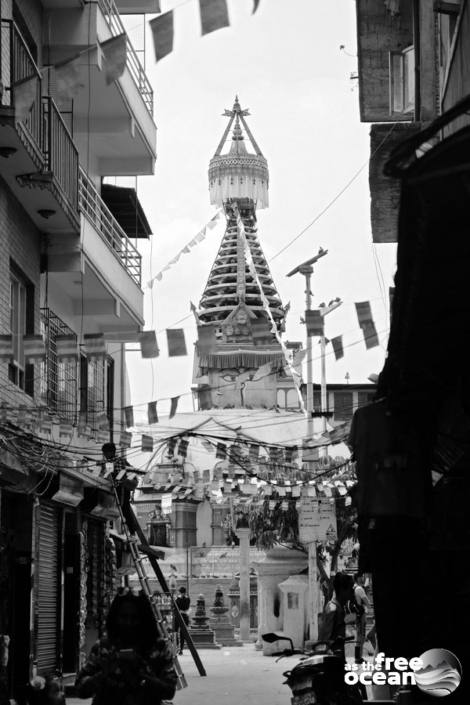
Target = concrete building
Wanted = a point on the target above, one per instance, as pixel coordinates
(70, 297)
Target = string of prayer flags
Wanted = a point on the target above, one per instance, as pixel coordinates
(148, 344)
(187, 248)
(129, 416)
(114, 52)
(162, 28)
(173, 406)
(152, 412)
(214, 15)
(338, 349)
(176, 342)
(314, 323)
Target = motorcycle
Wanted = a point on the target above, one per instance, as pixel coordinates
(319, 677)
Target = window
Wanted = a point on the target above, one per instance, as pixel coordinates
(59, 382)
(96, 389)
(402, 81)
(21, 323)
(343, 406)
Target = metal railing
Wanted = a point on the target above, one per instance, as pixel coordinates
(111, 13)
(21, 80)
(60, 152)
(97, 212)
(59, 383)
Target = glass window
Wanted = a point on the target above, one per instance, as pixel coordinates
(21, 323)
(402, 81)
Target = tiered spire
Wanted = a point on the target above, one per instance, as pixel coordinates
(238, 181)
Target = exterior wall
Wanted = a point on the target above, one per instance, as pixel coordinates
(378, 33)
(20, 241)
(458, 80)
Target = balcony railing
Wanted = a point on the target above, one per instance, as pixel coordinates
(97, 212)
(111, 13)
(21, 82)
(60, 152)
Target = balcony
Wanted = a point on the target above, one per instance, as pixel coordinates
(112, 123)
(105, 290)
(97, 212)
(36, 147)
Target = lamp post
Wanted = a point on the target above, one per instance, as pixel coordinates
(324, 311)
(306, 269)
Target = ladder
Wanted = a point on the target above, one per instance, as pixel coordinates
(132, 528)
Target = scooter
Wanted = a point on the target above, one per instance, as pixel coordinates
(319, 677)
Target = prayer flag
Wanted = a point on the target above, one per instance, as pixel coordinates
(314, 323)
(24, 94)
(171, 446)
(129, 416)
(213, 221)
(183, 448)
(66, 347)
(162, 31)
(6, 347)
(148, 344)
(255, 6)
(34, 347)
(338, 349)
(176, 342)
(221, 451)
(201, 235)
(126, 439)
(370, 335)
(364, 313)
(152, 412)
(173, 406)
(263, 371)
(115, 57)
(147, 444)
(68, 80)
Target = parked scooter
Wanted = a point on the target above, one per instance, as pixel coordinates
(319, 677)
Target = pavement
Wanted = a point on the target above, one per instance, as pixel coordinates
(234, 675)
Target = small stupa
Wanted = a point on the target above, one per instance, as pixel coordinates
(202, 635)
(220, 622)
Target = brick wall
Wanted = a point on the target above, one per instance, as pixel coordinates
(19, 240)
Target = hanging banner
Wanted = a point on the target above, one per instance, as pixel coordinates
(317, 520)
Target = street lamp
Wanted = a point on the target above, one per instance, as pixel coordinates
(306, 269)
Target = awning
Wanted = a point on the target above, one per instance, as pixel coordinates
(125, 206)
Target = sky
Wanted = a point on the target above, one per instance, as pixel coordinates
(286, 66)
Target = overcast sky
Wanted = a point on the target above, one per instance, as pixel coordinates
(286, 65)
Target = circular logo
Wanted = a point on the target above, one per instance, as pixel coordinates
(439, 674)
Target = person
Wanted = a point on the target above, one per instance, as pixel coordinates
(131, 665)
(362, 601)
(333, 627)
(183, 603)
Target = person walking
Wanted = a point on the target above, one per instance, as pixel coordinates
(362, 603)
(131, 665)
(183, 604)
(333, 626)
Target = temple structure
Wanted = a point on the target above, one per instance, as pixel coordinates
(235, 335)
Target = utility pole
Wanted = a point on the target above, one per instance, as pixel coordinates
(324, 311)
(306, 269)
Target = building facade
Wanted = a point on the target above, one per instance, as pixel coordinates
(70, 298)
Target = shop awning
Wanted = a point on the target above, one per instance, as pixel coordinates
(125, 206)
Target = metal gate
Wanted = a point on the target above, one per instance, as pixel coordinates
(47, 629)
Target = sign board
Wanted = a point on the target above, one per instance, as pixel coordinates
(166, 503)
(317, 520)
